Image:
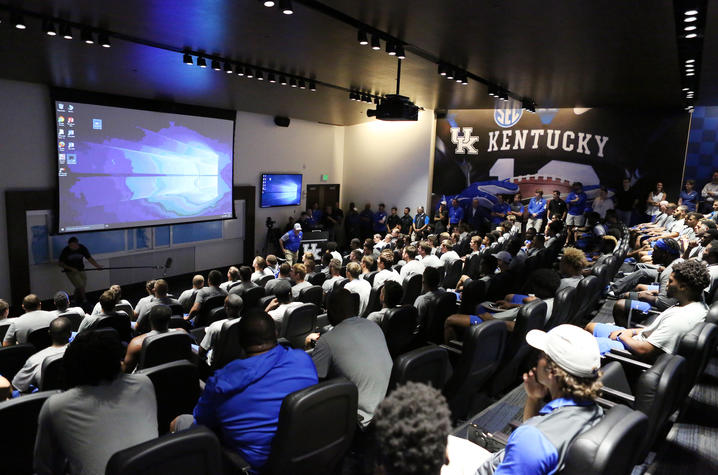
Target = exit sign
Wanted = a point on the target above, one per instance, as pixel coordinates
(325, 177)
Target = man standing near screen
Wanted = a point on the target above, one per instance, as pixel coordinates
(289, 243)
(72, 261)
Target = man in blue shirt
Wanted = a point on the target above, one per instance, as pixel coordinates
(537, 211)
(421, 223)
(576, 201)
(289, 244)
(456, 214)
(567, 371)
(499, 211)
(380, 220)
(241, 401)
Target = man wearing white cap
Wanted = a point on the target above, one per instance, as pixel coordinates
(567, 370)
(289, 243)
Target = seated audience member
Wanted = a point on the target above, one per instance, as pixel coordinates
(553, 229)
(310, 266)
(206, 293)
(245, 282)
(542, 283)
(644, 295)
(411, 266)
(427, 257)
(335, 269)
(686, 284)
(233, 308)
(104, 412)
(187, 297)
(384, 263)
(161, 298)
(448, 255)
(368, 264)
(567, 372)
(412, 427)
(62, 304)
(232, 279)
(118, 301)
(33, 318)
(571, 267)
(31, 373)
(298, 273)
(355, 256)
(273, 264)
(5, 389)
(260, 269)
(4, 312)
(159, 320)
(390, 297)
(282, 279)
(107, 305)
(358, 286)
(356, 349)
(430, 292)
(241, 401)
(281, 304)
(324, 263)
(150, 289)
(332, 250)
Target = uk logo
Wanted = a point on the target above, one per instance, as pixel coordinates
(465, 142)
(508, 113)
(312, 248)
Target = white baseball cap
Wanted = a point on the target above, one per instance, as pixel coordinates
(503, 256)
(297, 226)
(572, 348)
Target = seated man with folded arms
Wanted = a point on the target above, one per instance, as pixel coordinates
(567, 373)
(390, 297)
(542, 284)
(685, 284)
(241, 401)
(104, 412)
(31, 373)
(159, 319)
(233, 308)
(33, 319)
(187, 296)
(356, 349)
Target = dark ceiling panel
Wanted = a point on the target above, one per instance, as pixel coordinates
(561, 53)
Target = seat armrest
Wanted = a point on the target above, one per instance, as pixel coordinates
(451, 349)
(617, 396)
(233, 463)
(626, 360)
(624, 353)
(459, 345)
(284, 342)
(605, 403)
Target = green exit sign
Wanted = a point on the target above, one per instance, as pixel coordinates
(325, 177)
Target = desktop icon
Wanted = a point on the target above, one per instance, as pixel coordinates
(97, 124)
(71, 145)
(70, 133)
(60, 133)
(71, 121)
(61, 119)
(70, 107)
(62, 158)
(60, 106)
(71, 159)
(61, 145)
(63, 171)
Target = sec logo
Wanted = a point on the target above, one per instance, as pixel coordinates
(507, 113)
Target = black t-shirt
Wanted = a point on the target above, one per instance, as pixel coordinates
(75, 258)
(393, 220)
(557, 206)
(406, 222)
(625, 199)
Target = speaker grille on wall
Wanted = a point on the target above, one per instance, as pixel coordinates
(281, 121)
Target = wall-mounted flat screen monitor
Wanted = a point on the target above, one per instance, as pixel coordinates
(126, 162)
(280, 189)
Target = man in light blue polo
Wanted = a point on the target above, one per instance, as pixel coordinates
(537, 211)
(456, 214)
(289, 243)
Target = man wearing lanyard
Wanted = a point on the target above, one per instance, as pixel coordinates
(421, 222)
(289, 243)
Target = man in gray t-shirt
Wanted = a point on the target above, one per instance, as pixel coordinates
(33, 319)
(103, 413)
(356, 349)
(205, 293)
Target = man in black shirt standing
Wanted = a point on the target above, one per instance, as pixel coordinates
(393, 220)
(557, 206)
(72, 261)
(625, 201)
(406, 221)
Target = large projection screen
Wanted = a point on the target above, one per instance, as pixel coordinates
(128, 166)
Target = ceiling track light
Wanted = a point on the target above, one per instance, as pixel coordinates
(187, 59)
(362, 38)
(286, 7)
(377, 100)
(375, 42)
(215, 65)
(87, 37)
(268, 3)
(449, 73)
(442, 70)
(239, 70)
(292, 82)
(259, 75)
(228, 67)
(271, 78)
(312, 86)
(283, 80)
(400, 52)
(248, 72)
(104, 40)
(465, 79)
(17, 20)
(49, 28)
(201, 62)
(302, 84)
(390, 48)
(66, 31)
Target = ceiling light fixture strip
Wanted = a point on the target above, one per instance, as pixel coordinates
(690, 17)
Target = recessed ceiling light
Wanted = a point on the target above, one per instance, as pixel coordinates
(689, 19)
(18, 21)
(690, 61)
(691, 12)
(249, 73)
(293, 82)
(286, 7)
(685, 89)
(690, 74)
(690, 28)
(259, 76)
(283, 80)
(268, 3)
(691, 35)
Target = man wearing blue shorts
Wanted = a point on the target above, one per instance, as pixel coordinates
(685, 284)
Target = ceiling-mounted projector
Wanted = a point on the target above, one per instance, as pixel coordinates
(395, 107)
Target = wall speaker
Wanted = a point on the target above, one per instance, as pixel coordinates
(281, 121)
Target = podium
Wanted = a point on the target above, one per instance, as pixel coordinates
(314, 242)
